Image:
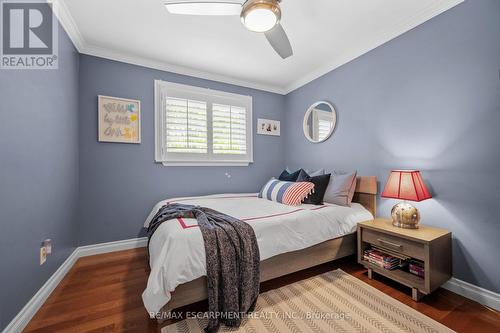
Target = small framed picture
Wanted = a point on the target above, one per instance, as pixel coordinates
(268, 127)
(119, 120)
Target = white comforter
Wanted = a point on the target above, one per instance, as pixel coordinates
(178, 253)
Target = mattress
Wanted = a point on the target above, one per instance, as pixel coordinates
(177, 252)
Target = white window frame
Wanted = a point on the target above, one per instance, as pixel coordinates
(163, 89)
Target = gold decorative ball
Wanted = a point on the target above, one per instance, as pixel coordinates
(405, 215)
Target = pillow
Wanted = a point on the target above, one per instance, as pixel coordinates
(292, 177)
(318, 172)
(353, 188)
(320, 186)
(340, 190)
(302, 176)
(288, 193)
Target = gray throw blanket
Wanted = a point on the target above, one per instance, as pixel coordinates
(232, 256)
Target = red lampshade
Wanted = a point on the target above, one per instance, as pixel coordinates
(406, 185)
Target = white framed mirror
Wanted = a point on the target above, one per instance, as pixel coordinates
(319, 121)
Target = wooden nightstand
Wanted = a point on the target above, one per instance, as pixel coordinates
(428, 244)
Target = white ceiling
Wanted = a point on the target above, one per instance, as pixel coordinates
(324, 34)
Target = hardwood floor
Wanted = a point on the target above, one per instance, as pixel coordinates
(103, 294)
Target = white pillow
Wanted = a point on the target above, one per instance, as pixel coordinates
(341, 189)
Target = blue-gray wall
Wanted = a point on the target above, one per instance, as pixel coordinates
(38, 174)
(430, 100)
(119, 183)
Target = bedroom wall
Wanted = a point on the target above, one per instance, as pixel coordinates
(430, 100)
(120, 183)
(38, 174)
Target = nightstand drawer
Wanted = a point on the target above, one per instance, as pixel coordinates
(398, 244)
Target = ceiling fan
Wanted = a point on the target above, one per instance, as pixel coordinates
(256, 15)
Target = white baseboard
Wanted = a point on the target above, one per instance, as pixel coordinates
(473, 292)
(478, 294)
(35, 303)
(127, 244)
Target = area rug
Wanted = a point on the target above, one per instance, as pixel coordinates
(331, 302)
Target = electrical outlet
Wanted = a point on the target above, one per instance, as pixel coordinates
(43, 255)
(48, 246)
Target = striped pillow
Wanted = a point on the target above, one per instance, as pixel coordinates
(288, 193)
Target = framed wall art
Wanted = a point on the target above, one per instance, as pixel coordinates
(268, 127)
(119, 120)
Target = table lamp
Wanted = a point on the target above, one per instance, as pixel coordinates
(405, 185)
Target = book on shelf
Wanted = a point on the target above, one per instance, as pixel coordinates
(381, 259)
(384, 260)
(416, 267)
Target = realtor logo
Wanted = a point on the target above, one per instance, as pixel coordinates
(28, 35)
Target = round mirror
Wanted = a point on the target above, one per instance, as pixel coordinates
(319, 121)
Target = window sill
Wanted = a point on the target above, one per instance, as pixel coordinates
(208, 163)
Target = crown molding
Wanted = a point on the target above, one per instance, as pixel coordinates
(68, 23)
(383, 37)
(62, 13)
(66, 20)
(166, 67)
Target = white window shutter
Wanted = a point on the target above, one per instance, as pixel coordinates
(186, 126)
(324, 128)
(229, 129)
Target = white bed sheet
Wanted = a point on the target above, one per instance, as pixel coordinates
(177, 252)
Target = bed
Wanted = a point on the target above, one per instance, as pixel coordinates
(290, 238)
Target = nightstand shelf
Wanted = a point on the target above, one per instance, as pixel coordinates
(430, 245)
(403, 277)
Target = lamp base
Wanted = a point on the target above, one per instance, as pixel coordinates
(405, 216)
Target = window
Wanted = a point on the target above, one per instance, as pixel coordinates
(322, 124)
(186, 126)
(324, 127)
(198, 126)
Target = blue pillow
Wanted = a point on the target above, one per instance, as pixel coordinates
(320, 184)
(292, 177)
(311, 173)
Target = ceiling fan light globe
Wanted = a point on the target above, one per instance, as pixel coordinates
(261, 15)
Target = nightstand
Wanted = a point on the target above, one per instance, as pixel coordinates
(430, 245)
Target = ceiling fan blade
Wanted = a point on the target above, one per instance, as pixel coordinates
(204, 7)
(279, 41)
